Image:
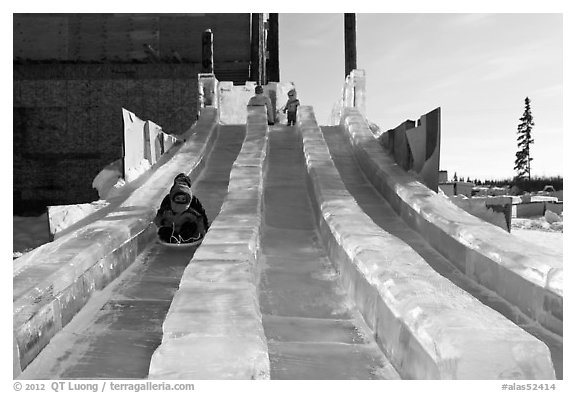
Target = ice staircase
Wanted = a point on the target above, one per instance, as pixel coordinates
(324, 260)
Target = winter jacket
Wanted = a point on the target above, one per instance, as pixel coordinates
(291, 105)
(168, 215)
(263, 100)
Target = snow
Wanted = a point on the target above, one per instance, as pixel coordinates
(538, 224)
(63, 217)
(540, 232)
(108, 179)
(543, 198)
(543, 231)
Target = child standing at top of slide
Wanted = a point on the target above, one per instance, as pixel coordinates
(291, 107)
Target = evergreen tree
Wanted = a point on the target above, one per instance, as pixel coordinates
(524, 139)
(455, 178)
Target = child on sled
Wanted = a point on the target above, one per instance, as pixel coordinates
(181, 217)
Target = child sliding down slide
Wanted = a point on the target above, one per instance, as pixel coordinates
(181, 219)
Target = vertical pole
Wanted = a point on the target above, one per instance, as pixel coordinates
(349, 43)
(262, 52)
(207, 52)
(273, 63)
(263, 57)
(255, 48)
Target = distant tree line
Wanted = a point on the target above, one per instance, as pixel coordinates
(533, 184)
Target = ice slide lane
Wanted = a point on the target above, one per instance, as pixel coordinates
(380, 211)
(117, 331)
(313, 329)
(427, 326)
(53, 283)
(213, 329)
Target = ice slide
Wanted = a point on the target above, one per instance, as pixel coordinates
(306, 273)
(117, 331)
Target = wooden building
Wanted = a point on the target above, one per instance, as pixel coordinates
(73, 74)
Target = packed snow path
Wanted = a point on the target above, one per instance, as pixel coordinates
(313, 329)
(116, 333)
(380, 211)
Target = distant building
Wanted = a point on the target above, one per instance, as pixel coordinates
(442, 176)
(457, 188)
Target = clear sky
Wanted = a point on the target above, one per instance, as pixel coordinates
(477, 67)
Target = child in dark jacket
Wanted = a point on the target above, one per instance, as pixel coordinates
(181, 217)
(291, 107)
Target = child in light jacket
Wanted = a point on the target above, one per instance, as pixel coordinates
(291, 107)
(260, 99)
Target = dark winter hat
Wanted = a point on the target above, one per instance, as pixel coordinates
(183, 178)
(180, 197)
(259, 89)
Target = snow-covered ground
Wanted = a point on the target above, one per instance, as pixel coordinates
(539, 231)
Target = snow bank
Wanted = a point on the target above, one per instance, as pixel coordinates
(62, 217)
(108, 178)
